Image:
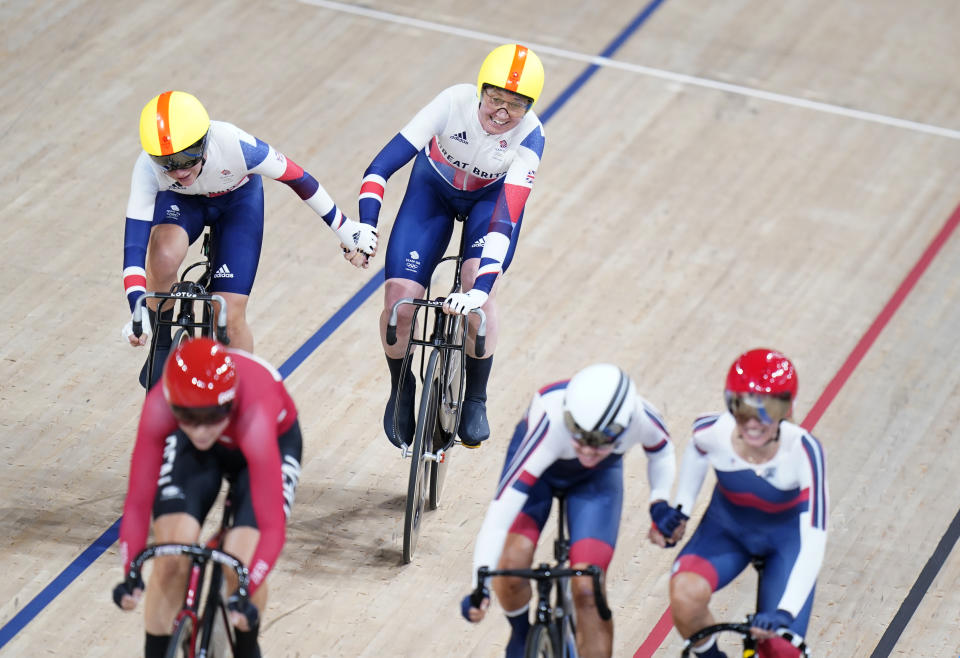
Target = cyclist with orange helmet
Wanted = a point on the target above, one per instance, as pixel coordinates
(220, 412)
(572, 439)
(476, 149)
(195, 172)
(770, 501)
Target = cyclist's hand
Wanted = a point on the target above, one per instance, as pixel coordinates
(243, 614)
(461, 303)
(127, 597)
(669, 524)
(127, 331)
(357, 236)
(355, 257)
(763, 625)
(474, 613)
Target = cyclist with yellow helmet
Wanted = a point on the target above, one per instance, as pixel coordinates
(477, 150)
(195, 172)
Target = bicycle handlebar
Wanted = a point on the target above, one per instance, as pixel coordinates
(197, 552)
(744, 629)
(546, 573)
(221, 315)
(479, 342)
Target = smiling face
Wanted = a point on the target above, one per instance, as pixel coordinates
(590, 456)
(501, 110)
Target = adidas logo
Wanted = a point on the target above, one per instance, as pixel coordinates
(223, 273)
(479, 243)
(460, 137)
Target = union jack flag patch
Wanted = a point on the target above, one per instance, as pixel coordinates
(531, 175)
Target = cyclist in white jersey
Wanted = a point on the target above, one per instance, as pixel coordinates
(195, 172)
(476, 149)
(572, 440)
(770, 501)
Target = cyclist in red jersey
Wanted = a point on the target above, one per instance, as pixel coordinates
(219, 413)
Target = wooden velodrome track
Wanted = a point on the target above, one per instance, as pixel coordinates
(734, 174)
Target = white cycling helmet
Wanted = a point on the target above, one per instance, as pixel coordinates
(598, 404)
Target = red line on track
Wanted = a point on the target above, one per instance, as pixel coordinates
(663, 627)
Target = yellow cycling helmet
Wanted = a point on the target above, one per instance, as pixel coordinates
(173, 129)
(515, 68)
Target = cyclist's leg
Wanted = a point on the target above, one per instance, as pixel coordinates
(709, 561)
(186, 490)
(238, 238)
(474, 426)
(518, 550)
(593, 515)
(778, 564)
(177, 222)
(418, 240)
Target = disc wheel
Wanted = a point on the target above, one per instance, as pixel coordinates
(419, 482)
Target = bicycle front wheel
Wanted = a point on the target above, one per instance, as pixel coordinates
(419, 482)
(540, 643)
(181, 642)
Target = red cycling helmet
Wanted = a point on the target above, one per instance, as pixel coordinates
(761, 383)
(763, 371)
(200, 381)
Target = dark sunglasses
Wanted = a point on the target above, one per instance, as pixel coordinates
(184, 159)
(604, 438)
(768, 409)
(201, 415)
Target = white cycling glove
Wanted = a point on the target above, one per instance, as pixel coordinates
(127, 330)
(357, 235)
(464, 302)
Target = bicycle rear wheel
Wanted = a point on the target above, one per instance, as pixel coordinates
(181, 642)
(541, 643)
(419, 482)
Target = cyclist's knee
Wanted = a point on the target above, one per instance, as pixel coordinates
(165, 255)
(777, 647)
(689, 594)
(582, 590)
(170, 572)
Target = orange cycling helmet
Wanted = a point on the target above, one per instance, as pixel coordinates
(173, 129)
(200, 381)
(515, 68)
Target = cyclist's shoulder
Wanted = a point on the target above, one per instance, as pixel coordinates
(252, 365)
(797, 438)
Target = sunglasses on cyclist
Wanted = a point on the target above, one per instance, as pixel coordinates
(604, 438)
(768, 409)
(184, 159)
(496, 99)
(201, 415)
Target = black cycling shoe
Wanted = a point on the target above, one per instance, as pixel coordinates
(405, 421)
(158, 363)
(474, 428)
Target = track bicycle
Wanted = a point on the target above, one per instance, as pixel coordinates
(554, 632)
(186, 293)
(441, 398)
(743, 628)
(197, 634)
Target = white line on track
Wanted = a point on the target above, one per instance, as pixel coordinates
(680, 78)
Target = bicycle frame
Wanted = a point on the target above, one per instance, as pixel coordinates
(558, 620)
(214, 605)
(441, 400)
(187, 293)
